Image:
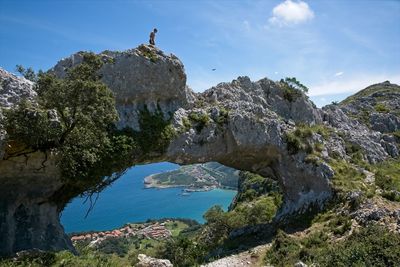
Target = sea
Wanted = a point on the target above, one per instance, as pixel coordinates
(127, 201)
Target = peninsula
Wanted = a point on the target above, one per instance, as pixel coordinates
(196, 177)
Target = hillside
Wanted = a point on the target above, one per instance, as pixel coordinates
(377, 106)
(196, 177)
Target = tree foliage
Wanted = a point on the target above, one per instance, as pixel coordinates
(292, 88)
(74, 117)
(28, 73)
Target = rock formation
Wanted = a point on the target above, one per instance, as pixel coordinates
(241, 124)
(146, 261)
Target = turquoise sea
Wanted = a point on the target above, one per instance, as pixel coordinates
(127, 201)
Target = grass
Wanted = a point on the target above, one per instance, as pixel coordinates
(299, 139)
(347, 178)
(369, 91)
(381, 108)
(387, 178)
(151, 55)
(373, 245)
(176, 227)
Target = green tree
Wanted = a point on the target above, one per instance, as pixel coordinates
(292, 88)
(28, 73)
(75, 118)
(295, 84)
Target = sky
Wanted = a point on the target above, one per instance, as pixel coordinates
(335, 47)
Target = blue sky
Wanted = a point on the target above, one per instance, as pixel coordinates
(334, 47)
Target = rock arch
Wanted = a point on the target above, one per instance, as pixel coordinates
(241, 124)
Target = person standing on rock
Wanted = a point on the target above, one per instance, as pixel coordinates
(152, 36)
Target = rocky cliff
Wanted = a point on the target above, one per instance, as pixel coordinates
(263, 127)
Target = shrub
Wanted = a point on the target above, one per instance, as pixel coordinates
(294, 144)
(186, 124)
(347, 178)
(340, 224)
(381, 108)
(182, 251)
(292, 89)
(388, 179)
(222, 117)
(284, 250)
(201, 120)
(373, 245)
(298, 139)
(155, 132)
(252, 185)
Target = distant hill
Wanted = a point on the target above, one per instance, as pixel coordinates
(196, 177)
(377, 107)
(384, 89)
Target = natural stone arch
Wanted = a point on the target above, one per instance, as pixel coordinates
(244, 125)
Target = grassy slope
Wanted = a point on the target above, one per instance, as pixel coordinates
(380, 87)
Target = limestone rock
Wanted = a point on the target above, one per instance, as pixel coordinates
(375, 146)
(300, 264)
(13, 89)
(141, 76)
(367, 116)
(146, 261)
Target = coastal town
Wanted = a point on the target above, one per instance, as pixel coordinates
(155, 231)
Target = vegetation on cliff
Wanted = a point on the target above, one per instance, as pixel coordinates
(74, 118)
(292, 88)
(373, 245)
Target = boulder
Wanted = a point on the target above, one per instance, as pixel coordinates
(146, 261)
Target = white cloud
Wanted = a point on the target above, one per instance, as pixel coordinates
(290, 12)
(340, 73)
(351, 85)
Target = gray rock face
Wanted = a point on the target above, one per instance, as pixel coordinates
(263, 96)
(367, 117)
(29, 218)
(12, 90)
(252, 137)
(139, 77)
(377, 106)
(376, 147)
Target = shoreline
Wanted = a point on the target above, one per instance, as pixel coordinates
(149, 183)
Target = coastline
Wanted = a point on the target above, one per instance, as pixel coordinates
(149, 182)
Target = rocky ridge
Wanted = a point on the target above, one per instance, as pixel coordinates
(242, 124)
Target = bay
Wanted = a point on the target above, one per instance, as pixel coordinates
(128, 201)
